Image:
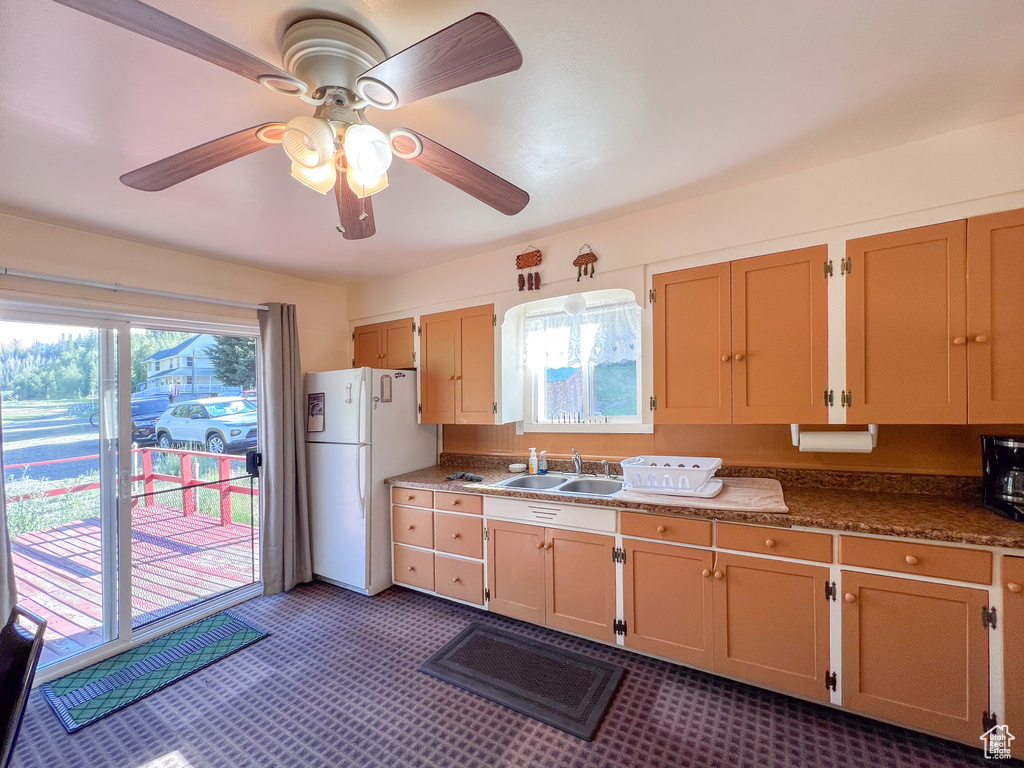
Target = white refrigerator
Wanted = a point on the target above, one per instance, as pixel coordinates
(360, 429)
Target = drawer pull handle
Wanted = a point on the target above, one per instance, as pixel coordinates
(456, 502)
(456, 535)
(911, 560)
(455, 579)
(661, 529)
(412, 527)
(411, 568)
(412, 497)
(705, 573)
(1015, 587)
(719, 575)
(540, 545)
(850, 597)
(769, 543)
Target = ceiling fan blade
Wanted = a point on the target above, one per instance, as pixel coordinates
(157, 25)
(350, 209)
(473, 49)
(452, 167)
(191, 162)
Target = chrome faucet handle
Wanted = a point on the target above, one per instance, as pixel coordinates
(577, 461)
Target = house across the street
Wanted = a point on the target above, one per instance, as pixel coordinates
(184, 371)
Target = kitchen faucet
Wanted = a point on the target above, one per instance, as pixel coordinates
(577, 462)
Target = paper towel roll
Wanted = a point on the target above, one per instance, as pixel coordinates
(836, 442)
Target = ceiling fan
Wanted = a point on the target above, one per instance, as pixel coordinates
(341, 71)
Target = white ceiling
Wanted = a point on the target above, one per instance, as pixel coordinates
(617, 106)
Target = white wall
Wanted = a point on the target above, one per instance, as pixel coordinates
(45, 248)
(973, 171)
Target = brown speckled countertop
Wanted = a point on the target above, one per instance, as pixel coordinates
(955, 517)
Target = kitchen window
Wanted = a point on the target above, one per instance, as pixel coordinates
(582, 362)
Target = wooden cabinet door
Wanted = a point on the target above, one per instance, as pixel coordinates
(667, 601)
(1013, 648)
(915, 653)
(780, 338)
(580, 583)
(772, 624)
(437, 368)
(474, 366)
(906, 326)
(692, 346)
(995, 318)
(367, 351)
(397, 344)
(516, 571)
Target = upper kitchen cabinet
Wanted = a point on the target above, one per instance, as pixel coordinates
(692, 346)
(457, 366)
(384, 345)
(995, 318)
(906, 327)
(780, 338)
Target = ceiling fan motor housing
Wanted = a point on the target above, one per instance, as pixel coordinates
(324, 52)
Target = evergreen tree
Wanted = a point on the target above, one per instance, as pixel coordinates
(234, 360)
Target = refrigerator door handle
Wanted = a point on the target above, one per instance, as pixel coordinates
(359, 482)
(359, 410)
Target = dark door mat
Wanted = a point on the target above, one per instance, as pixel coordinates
(562, 688)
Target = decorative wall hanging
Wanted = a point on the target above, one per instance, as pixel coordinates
(528, 260)
(585, 262)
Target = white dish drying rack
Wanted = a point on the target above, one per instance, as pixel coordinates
(675, 475)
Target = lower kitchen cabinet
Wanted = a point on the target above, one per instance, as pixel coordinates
(667, 599)
(1013, 648)
(771, 623)
(515, 570)
(915, 653)
(580, 583)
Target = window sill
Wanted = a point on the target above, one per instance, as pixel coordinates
(611, 427)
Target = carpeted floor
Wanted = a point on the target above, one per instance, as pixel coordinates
(336, 685)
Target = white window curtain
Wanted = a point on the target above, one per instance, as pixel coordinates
(603, 333)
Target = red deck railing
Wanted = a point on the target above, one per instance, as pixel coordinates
(186, 479)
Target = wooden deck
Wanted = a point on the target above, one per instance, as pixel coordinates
(177, 561)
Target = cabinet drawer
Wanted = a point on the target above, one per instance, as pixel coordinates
(780, 542)
(972, 565)
(414, 567)
(459, 502)
(412, 526)
(666, 528)
(459, 535)
(461, 579)
(412, 497)
(603, 519)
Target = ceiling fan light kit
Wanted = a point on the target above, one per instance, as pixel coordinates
(342, 71)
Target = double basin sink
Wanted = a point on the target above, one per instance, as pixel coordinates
(579, 485)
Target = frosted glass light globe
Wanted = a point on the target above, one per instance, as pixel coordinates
(367, 151)
(574, 304)
(322, 179)
(309, 141)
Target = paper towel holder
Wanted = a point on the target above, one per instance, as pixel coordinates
(794, 430)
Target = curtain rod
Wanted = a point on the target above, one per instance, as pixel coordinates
(120, 288)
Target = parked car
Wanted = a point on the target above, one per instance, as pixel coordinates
(145, 412)
(222, 424)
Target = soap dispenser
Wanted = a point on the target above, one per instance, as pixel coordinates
(533, 461)
(542, 466)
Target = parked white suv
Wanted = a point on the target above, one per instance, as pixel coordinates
(222, 424)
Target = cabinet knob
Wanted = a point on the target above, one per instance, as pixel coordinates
(452, 377)
(725, 358)
(458, 378)
(661, 529)
(456, 502)
(549, 545)
(456, 535)
(980, 339)
(412, 527)
(960, 340)
(738, 356)
(719, 575)
(455, 579)
(1014, 587)
(540, 545)
(850, 597)
(411, 568)
(705, 573)
(769, 543)
(411, 497)
(911, 560)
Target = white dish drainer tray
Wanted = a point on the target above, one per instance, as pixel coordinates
(675, 475)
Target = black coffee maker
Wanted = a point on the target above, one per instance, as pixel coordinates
(1003, 482)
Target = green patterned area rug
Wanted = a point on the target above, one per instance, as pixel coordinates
(85, 696)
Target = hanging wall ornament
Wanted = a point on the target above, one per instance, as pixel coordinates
(585, 262)
(528, 260)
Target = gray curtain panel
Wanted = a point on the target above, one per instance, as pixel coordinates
(287, 557)
(8, 589)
